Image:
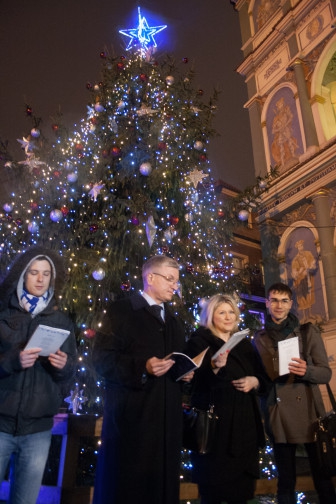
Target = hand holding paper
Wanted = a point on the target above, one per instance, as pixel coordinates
(288, 349)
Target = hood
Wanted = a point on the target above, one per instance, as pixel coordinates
(13, 282)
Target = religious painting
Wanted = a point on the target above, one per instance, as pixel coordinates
(304, 276)
(283, 130)
(263, 10)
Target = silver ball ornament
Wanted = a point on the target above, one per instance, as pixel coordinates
(145, 169)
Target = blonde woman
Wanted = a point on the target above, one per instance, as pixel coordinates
(230, 382)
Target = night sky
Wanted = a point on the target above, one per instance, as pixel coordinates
(49, 51)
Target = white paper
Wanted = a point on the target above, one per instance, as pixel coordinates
(288, 349)
(50, 339)
(234, 339)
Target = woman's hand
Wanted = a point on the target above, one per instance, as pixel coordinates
(220, 361)
(246, 384)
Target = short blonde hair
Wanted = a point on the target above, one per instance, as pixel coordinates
(157, 262)
(207, 313)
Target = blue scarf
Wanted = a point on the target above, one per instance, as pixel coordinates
(34, 304)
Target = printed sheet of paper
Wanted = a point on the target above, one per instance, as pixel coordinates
(48, 338)
(231, 342)
(288, 349)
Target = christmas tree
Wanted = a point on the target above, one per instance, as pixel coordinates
(131, 180)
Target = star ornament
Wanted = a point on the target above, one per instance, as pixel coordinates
(196, 176)
(96, 190)
(142, 34)
(26, 145)
(75, 400)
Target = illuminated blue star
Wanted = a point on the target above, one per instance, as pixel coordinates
(143, 34)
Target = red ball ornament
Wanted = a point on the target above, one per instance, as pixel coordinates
(18, 222)
(89, 333)
(202, 158)
(54, 127)
(105, 153)
(162, 146)
(143, 77)
(57, 174)
(102, 54)
(29, 110)
(34, 206)
(200, 92)
(120, 66)
(93, 228)
(126, 286)
(115, 151)
(190, 268)
(122, 58)
(185, 60)
(165, 249)
(173, 220)
(64, 210)
(79, 147)
(89, 86)
(221, 213)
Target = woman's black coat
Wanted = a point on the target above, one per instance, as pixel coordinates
(240, 432)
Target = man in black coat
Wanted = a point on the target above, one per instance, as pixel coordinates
(139, 460)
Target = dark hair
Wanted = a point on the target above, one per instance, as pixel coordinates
(280, 287)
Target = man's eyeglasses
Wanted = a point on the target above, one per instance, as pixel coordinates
(284, 302)
(169, 279)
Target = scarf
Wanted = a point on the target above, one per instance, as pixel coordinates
(33, 304)
(278, 332)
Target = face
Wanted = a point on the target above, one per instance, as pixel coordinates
(161, 283)
(224, 318)
(279, 305)
(37, 278)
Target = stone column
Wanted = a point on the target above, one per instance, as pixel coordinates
(306, 110)
(325, 230)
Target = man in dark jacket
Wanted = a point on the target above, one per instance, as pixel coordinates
(294, 400)
(139, 460)
(30, 385)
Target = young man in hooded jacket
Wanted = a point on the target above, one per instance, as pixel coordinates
(30, 385)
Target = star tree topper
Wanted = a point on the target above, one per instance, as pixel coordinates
(142, 34)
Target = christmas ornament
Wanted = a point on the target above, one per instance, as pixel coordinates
(34, 206)
(120, 66)
(243, 215)
(90, 333)
(56, 215)
(144, 110)
(134, 220)
(170, 80)
(75, 400)
(8, 207)
(126, 286)
(64, 211)
(198, 145)
(143, 77)
(35, 133)
(93, 228)
(145, 169)
(190, 268)
(203, 158)
(57, 173)
(54, 127)
(99, 107)
(33, 227)
(162, 146)
(121, 105)
(188, 217)
(68, 165)
(88, 86)
(200, 92)
(196, 176)
(18, 222)
(29, 110)
(26, 144)
(185, 60)
(173, 220)
(79, 147)
(99, 274)
(96, 190)
(115, 151)
(150, 230)
(102, 54)
(72, 177)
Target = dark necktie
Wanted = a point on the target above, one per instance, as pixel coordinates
(156, 311)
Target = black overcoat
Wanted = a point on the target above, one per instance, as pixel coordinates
(239, 431)
(139, 460)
